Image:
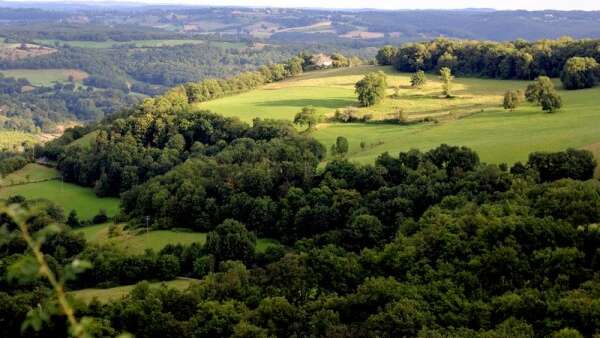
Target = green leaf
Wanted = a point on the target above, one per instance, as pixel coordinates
(25, 270)
(35, 319)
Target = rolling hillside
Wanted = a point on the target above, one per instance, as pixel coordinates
(474, 118)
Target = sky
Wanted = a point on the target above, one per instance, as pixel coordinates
(390, 4)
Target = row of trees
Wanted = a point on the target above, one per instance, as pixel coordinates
(214, 88)
(576, 60)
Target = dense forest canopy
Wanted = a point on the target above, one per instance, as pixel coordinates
(428, 244)
(504, 60)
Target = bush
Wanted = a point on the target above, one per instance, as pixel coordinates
(101, 217)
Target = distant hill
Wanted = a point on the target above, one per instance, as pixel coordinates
(285, 24)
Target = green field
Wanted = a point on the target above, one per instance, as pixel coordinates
(473, 118)
(86, 141)
(66, 195)
(11, 139)
(30, 173)
(138, 242)
(106, 295)
(45, 77)
(110, 43)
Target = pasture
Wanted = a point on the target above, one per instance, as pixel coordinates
(116, 293)
(138, 241)
(473, 118)
(29, 174)
(46, 77)
(66, 195)
(10, 139)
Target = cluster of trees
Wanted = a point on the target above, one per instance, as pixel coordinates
(425, 244)
(162, 133)
(10, 162)
(543, 93)
(506, 60)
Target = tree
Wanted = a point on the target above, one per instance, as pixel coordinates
(446, 77)
(385, 56)
(231, 241)
(307, 117)
(363, 231)
(542, 92)
(580, 72)
(73, 220)
(511, 100)
(418, 79)
(340, 148)
(371, 89)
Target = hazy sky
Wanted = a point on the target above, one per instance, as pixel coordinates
(393, 4)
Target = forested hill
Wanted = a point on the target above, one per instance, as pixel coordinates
(418, 244)
(279, 24)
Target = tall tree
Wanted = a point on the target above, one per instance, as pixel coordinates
(418, 79)
(371, 89)
(446, 77)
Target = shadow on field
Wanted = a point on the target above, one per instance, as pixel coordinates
(325, 103)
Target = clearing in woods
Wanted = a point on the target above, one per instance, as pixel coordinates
(138, 240)
(473, 118)
(66, 195)
(46, 77)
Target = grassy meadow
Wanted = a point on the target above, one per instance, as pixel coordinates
(138, 241)
(45, 77)
(474, 117)
(116, 293)
(66, 195)
(30, 173)
(10, 139)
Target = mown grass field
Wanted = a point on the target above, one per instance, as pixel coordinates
(138, 242)
(116, 293)
(11, 139)
(498, 135)
(30, 173)
(66, 195)
(45, 77)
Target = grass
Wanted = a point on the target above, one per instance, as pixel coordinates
(30, 173)
(329, 90)
(11, 139)
(87, 141)
(111, 43)
(45, 77)
(66, 195)
(138, 242)
(116, 293)
(473, 118)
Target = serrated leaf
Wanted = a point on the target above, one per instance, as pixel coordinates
(35, 319)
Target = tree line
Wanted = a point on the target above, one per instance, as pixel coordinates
(503, 60)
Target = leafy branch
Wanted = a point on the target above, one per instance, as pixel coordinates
(38, 266)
